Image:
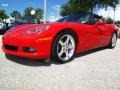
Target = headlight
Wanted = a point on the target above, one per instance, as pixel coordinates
(38, 29)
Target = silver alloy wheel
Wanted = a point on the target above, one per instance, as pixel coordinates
(114, 39)
(66, 47)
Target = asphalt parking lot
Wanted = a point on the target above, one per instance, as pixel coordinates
(94, 70)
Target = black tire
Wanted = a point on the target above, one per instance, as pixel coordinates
(54, 53)
(111, 46)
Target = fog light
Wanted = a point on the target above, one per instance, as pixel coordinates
(28, 49)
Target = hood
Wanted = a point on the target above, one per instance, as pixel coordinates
(21, 29)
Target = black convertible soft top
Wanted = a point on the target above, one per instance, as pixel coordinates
(97, 16)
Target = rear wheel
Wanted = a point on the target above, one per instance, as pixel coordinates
(64, 47)
(113, 41)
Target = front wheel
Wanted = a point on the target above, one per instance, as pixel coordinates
(64, 47)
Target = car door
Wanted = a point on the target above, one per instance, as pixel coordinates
(90, 36)
(105, 30)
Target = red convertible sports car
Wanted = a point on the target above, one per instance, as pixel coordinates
(61, 40)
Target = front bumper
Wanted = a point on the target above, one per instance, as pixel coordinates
(42, 47)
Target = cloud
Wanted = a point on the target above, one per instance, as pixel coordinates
(55, 14)
(5, 5)
(53, 18)
(110, 13)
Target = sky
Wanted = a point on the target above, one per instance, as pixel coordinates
(53, 8)
(110, 13)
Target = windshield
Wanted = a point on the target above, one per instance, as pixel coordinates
(75, 18)
(27, 20)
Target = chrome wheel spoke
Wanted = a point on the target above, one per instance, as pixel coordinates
(67, 55)
(70, 46)
(68, 39)
(61, 53)
(61, 42)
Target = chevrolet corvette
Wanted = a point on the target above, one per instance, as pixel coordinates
(60, 40)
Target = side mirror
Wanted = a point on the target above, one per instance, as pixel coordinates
(100, 23)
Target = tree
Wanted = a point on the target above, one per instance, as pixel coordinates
(72, 7)
(3, 15)
(109, 20)
(77, 6)
(117, 22)
(27, 11)
(38, 13)
(15, 14)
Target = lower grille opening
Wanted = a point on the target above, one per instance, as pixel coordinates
(29, 50)
(10, 47)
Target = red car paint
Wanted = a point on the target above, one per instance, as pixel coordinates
(89, 37)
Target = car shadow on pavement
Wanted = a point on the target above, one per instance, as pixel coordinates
(44, 62)
(90, 52)
(28, 62)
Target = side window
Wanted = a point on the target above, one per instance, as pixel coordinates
(91, 20)
(84, 19)
(94, 20)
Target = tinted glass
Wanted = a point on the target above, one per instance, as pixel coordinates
(27, 20)
(75, 18)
